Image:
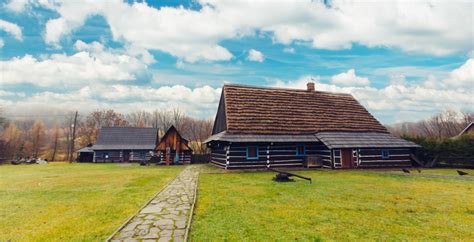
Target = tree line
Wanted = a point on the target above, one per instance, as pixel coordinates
(445, 124)
(61, 140)
(439, 140)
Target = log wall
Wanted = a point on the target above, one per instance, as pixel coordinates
(233, 155)
(184, 157)
(117, 156)
(373, 158)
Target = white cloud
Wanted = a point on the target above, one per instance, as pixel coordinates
(16, 5)
(397, 79)
(198, 102)
(406, 102)
(11, 28)
(462, 76)
(255, 55)
(433, 27)
(349, 78)
(92, 63)
(289, 50)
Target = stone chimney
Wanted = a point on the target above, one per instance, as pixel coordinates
(310, 86)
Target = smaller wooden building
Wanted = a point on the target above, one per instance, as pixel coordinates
(124, 144)
(86, 154)
(173, 148)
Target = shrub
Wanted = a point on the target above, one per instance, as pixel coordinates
(449, 151)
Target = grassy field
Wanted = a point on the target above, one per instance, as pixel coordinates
(339, 205)
(437, 171)
(78, 202)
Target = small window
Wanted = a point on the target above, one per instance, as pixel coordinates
(252, 152)
(143, 155)
(385, 154)
(300, 150)
(106, 155)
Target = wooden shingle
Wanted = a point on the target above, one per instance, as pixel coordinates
(257, 110)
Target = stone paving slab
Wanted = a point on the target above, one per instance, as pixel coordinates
(165, 217)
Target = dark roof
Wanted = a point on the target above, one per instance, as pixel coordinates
(224, 136)
(168, 141)
(173, 129)
(467, 129)
(117, 138)
(258, 110)
(86, 149)
(363, 140)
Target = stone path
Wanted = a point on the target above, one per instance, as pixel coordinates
(165, 217)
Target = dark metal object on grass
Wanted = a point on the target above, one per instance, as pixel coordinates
(462, 173)
(284, 176)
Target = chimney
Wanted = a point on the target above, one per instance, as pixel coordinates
(310, 86)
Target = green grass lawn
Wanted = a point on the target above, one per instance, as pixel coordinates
(437, 171)
(339, 205)
(78, 202)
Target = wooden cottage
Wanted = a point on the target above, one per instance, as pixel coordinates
(173, 148)
(259, 127)
(124, 144)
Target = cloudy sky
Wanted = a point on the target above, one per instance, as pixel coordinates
(403, 60)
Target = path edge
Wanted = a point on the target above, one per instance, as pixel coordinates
(141, 208)
(191, 213)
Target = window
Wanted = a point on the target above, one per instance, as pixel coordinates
(106, 155)
(142, 154)
(385, 154)
(300, 150)
(252, 153)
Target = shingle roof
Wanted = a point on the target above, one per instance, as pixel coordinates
(362, 140)
(224, 136)
(467, 129)
(87, 149)
(256, 110)
(126, 138)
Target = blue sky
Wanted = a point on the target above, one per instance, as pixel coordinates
(58, 56)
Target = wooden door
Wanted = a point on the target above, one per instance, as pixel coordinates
(347, 158)
(126, 155)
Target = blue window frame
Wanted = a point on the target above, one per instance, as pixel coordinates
(251, 152)
(385, 154)
(300, 150)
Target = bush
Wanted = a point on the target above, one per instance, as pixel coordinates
(449, 151)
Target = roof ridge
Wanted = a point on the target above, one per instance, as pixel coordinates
(282, 88)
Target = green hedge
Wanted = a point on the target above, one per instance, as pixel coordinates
(450, 151)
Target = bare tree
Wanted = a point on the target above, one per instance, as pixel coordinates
(107, 118)
(73, 138)
(55, 138)
(197, 131)
(177, 118)
(88, 130)
(161, 120)
(68, 130)
(467, 118)
(444, 124)
(13, 139)
(36, 135)
(3, 120)
(139, 119)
